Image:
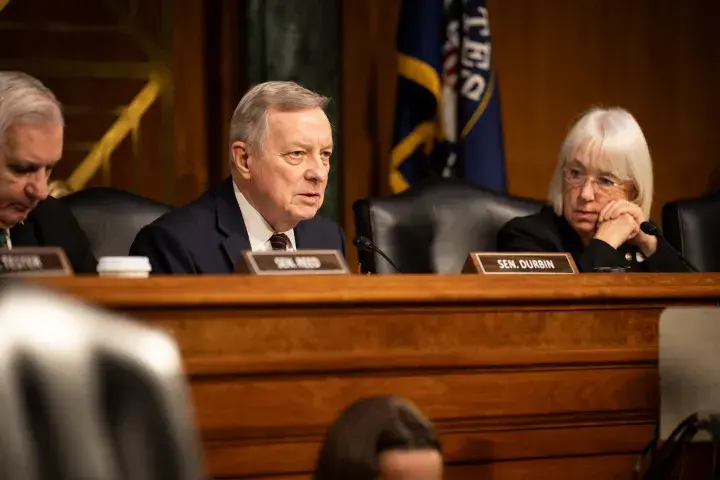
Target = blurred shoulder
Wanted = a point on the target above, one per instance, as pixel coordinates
(51, 209)
(200, 213)
(321, 223)
(543, 220)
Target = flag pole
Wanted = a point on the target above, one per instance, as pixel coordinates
(459, 144)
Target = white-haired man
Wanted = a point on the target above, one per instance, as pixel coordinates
(280, 148)
(31, 143)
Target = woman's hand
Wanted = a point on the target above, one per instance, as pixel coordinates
(618, 230)
(614, 229)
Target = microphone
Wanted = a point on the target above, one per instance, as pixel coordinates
(650, 228)
(364, 243)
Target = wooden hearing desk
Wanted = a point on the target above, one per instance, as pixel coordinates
(525, 376)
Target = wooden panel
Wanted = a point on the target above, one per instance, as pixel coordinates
(524, 377)
(318, 399)
(610, 53)
(226, 79)
(658, 58)
(616, 467)
(367, 96)
(189, 166)
(502, 448)
(97, 57)
(446, 291)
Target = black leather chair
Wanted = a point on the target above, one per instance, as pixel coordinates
(111, 217)
(432, 228)
(693, 227)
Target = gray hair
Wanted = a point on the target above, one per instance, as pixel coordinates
(24, 99)
(616, 142)
(249, 121)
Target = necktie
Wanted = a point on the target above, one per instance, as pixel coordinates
(279, 241)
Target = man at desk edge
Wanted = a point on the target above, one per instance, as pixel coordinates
(280, 148)
(31, 143)
(600, 193)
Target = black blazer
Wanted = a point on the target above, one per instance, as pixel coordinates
(208, 235)
(52, 224)
(547, 232)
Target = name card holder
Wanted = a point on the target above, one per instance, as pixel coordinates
(298, 262)
(34, 262)
(494, 263)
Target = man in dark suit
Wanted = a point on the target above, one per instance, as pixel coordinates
(281, 144)
(31, 143)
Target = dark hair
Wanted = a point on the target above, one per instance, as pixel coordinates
(367, 428)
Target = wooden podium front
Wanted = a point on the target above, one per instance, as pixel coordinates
(524, 376)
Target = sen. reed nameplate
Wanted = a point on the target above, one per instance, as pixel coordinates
(297, 262)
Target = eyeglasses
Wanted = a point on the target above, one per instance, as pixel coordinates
(576, 176)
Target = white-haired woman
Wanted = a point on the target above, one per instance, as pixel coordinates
(600, 193)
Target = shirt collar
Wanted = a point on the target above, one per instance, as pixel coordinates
(259, 231)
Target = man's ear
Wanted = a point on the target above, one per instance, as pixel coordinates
(241, 156)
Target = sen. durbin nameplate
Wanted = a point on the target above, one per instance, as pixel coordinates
(34, 261)
(493, 263)
(298, 262)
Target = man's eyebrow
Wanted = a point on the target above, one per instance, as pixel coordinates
(27, 164)
(298, 144)
(19, 162)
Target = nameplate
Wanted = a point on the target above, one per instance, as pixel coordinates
(298, 262)
(515, 263)
(34, 262)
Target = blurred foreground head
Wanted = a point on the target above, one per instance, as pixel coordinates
(385, 438)
(85, 394)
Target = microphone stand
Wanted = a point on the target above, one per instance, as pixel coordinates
(650, 228)
(364, 243)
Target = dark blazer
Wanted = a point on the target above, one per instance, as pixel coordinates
(547, 232)
(52, 224)
(208, 235)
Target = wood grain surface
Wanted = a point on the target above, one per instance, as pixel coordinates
(525, 377)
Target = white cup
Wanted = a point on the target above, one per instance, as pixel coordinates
(128, 267)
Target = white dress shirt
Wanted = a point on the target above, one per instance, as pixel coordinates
(258, 229)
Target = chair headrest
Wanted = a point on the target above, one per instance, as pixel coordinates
(111, 217)
(434, 226)
(691, 226)
(112, 199)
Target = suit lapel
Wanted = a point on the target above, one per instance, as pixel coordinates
(23, 235)
(230, 222)
(300, 235)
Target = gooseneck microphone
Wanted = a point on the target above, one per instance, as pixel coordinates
(364, 243)
(650, 228)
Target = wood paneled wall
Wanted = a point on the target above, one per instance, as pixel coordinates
(225, 74)
(97, 57)
(658, 58)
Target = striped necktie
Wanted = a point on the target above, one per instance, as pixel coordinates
(279, 241)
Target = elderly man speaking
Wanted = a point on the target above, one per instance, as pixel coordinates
(281, 144)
